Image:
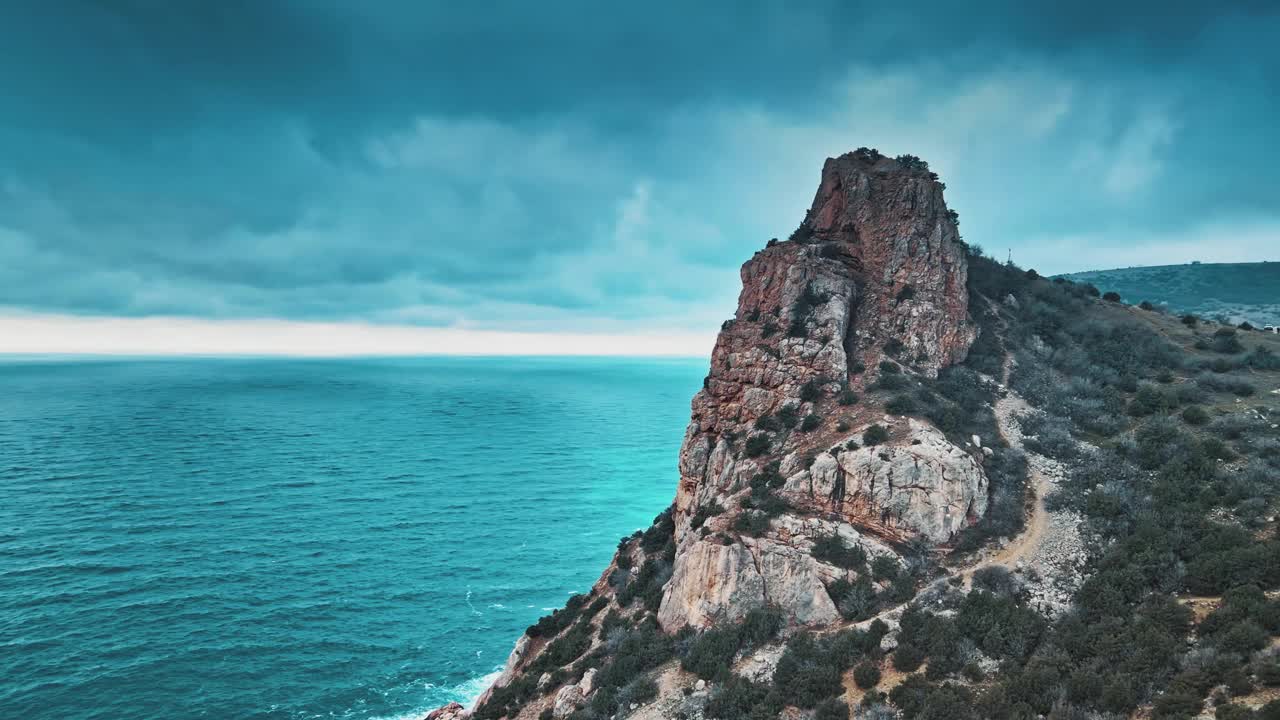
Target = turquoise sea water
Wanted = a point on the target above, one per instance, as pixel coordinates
(308, 538)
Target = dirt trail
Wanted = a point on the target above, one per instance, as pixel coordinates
(1037, 523)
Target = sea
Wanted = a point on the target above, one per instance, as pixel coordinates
(344, 539)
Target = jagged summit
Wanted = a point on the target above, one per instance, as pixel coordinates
(889, 216)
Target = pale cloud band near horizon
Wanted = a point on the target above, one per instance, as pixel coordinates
(50, 334)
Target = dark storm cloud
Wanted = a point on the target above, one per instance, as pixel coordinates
(570, 166)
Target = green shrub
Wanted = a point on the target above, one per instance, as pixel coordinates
(660, 532)
(1230, 385)
(831, 549)
(900, 405)
(805, 675)
(1111, 297)
(1226, 342)
(999, 625)
(1195, 415)
(916, 698)
(757, 445)
(996, 580)
(1268, 672)
(884, 568)
(831, 709)
(911, 163)
(1263, 359)
(889, 367)
(855, 600)
(847, 397)
(767, 423)
(810, 423)
(1231, 711)
(738, 698)
(907, 658)
(647, 584)
(711, 653)
(705, 513)
(875, 435)
(866, 674)
(558, 620)
(1151, 398)
(800, 311)
(1177, 704)
(891, 382)
(752, 522)
(638, 692)
(564, 649)
(811, 390)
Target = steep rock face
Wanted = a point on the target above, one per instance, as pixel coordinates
(776, 439)
(875, 271)
(714, 582)
(904, 242)
(926, 486)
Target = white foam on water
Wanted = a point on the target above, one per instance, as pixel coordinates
(466, 692)
(475, 687)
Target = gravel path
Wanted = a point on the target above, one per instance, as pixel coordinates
(1049, 554)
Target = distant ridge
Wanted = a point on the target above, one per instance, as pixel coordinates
(1240, 291)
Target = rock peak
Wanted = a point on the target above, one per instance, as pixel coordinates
(890, 219)
(860, 188)
(875, 274)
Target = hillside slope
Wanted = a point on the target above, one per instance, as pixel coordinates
(919, 483)
(1238, 291)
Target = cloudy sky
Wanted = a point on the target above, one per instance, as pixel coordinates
(572, 169)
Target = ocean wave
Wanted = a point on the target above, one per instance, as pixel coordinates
(466, 692)
(471, 690)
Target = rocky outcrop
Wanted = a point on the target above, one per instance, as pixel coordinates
(452, 711)
(714, 582)
(924, 487)
(874, 277)
(875, 273)
(890, 218)
(570, 697)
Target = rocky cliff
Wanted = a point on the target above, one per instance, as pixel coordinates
(875, 274)
(791, 481)
(861, 531)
